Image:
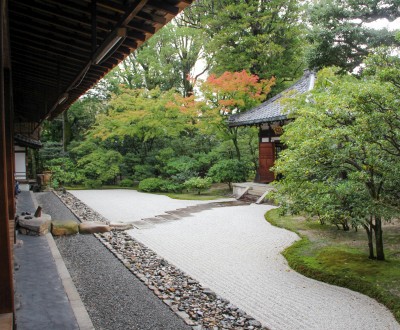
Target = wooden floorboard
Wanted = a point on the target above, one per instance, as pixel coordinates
(6, 321)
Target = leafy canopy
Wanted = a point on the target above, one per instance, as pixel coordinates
(341, 162)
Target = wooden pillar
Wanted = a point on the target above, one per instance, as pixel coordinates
(9, 131)
(6, 267)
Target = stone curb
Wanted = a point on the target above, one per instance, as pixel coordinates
(80, 312)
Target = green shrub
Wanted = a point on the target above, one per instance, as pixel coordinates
(171, 186)
(228, 171)
(181, 169)
(198, 184)
(92, 184)
(158, 185)
(126, 183)
(142, 172)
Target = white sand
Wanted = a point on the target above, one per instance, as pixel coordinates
(236, 253)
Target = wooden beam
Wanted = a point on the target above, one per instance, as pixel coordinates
(52, 43)
(131, 12)
(164, 6)
(152, 18)
(41, 52)
(63, 26)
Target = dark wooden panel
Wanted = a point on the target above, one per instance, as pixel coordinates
(266, 161)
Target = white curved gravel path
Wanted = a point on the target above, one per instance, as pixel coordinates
(123, 205)
(236, 253)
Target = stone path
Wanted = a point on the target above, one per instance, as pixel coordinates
(236, 253)
(41, 296)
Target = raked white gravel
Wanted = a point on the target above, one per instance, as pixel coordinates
(236, 253)
(123, 205)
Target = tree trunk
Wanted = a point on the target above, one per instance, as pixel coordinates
(234, 137)
(368, 229)
(379, 239)
(66, 131)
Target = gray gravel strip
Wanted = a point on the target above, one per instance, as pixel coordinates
(113, 297)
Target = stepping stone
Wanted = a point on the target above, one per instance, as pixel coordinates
(61, 228)
(179, 214)
(91, 227)
(169, 216)
(140, 224)
(155, 220)
(120, 226)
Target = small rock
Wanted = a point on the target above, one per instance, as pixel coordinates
(254, 323)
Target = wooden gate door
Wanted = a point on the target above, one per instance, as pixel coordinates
(266, 161)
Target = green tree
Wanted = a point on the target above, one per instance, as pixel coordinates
(228, 171)
(165, 61)
(100, 166)
(265, 38)
(198, 184)
(339, 35)
(340, 163)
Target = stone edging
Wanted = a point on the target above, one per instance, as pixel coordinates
(199, 307)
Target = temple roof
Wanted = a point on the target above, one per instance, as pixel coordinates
(272, 109)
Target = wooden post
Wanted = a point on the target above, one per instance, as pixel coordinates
(9, 131)
(6, 269)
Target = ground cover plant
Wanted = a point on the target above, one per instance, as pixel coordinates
(339, 257)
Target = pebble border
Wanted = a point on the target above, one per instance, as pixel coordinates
(199, 307)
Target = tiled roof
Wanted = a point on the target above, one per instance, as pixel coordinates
(26, 141)
(272, 109)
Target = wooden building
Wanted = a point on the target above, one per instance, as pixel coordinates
(270, 117)
(52, 52)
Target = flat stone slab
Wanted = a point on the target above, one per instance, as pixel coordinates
(142, 224)
(120, 226)
(156, 220)
(91, 227)
(168, 216)
(61, 228)
(29, 225)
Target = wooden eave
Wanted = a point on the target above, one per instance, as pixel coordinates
(53, 44)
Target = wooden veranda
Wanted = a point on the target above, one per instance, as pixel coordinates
(52, 52)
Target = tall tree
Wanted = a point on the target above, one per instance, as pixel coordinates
(165, 61)
(264, 37)
(339, 35)
(342, 162)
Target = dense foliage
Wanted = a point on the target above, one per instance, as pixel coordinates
(341, 35)
(342, 160)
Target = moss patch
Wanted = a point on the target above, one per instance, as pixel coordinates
(341, 258)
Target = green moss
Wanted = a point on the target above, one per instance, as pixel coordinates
(341, 260)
